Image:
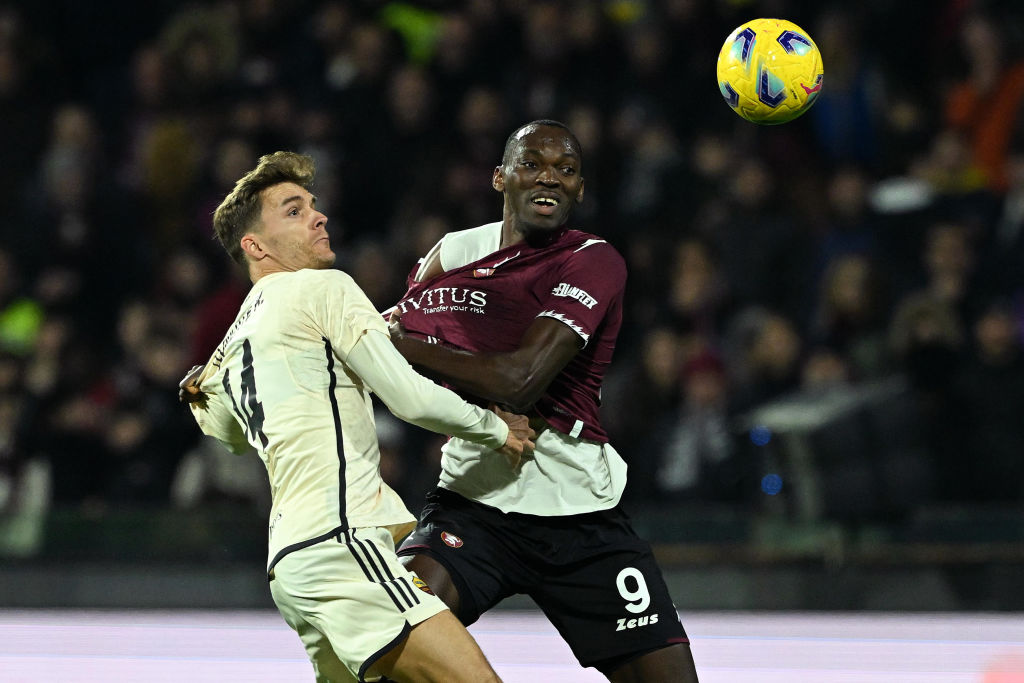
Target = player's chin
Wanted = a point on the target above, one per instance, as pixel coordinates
(542, 222)
(326, 260)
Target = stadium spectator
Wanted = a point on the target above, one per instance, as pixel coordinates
(851, 316)
(115, 149)
(695, 450)
(986, 104)
(988, 394)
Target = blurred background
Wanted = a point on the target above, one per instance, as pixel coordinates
(819, 385)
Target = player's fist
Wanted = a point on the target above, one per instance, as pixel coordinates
(395, 326)
(188, 387)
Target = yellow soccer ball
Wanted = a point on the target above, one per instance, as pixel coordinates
(769, 71)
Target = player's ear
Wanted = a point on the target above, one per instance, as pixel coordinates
(252, 246)
(579, 194)
(498, 179)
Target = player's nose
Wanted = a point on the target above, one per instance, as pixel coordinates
(548, 176)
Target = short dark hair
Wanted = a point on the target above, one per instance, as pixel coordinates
(240, 210)
(510, 143)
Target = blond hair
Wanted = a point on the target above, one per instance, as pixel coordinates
(240, 210)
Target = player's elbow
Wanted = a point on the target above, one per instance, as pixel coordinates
(416, 409)
(413, 414)
(524, 391)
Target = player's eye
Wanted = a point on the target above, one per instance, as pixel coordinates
(568, 170)
(528, 164)
(294, 211)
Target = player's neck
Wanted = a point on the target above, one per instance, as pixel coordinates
(534, 238)
(260, 270)
(513, 232)
(257, 274)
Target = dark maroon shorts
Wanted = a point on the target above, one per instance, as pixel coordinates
(591, 575)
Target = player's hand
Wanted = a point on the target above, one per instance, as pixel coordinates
(520, 435)
(395, 326)
(188, 387)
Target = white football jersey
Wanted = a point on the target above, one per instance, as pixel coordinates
(279, 383)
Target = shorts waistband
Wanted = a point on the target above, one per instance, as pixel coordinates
(341, 534)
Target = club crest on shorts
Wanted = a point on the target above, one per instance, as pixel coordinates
(421, 584)
(451, 539)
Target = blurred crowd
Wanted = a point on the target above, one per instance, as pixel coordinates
(878, 241)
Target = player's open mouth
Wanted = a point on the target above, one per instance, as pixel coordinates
(545, 205)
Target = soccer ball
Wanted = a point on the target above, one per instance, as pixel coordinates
(769, 71)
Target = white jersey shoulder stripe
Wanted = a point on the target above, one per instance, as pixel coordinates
(589, 243)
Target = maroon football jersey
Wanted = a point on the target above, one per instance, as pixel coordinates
(488, 304)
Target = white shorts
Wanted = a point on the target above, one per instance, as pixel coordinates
(350, 601)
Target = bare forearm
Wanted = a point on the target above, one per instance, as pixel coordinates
(516, 378)
(492, 377)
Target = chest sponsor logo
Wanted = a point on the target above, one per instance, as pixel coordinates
(451, 539)
(445, 299)
(567, 290)
(639, 622)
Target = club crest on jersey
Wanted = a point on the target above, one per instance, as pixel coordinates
(451, 539)
(564, 289)
(421, 584)
(483, 272)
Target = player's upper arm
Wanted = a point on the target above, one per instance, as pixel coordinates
(545, 349)
(590, 282)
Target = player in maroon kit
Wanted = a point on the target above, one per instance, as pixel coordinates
(525, 313)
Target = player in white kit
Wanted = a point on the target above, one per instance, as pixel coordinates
(292, 379)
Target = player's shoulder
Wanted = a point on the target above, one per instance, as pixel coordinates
(586, 245)
(328, 277)
(300, 290)
(465, 246)
(480, 232)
